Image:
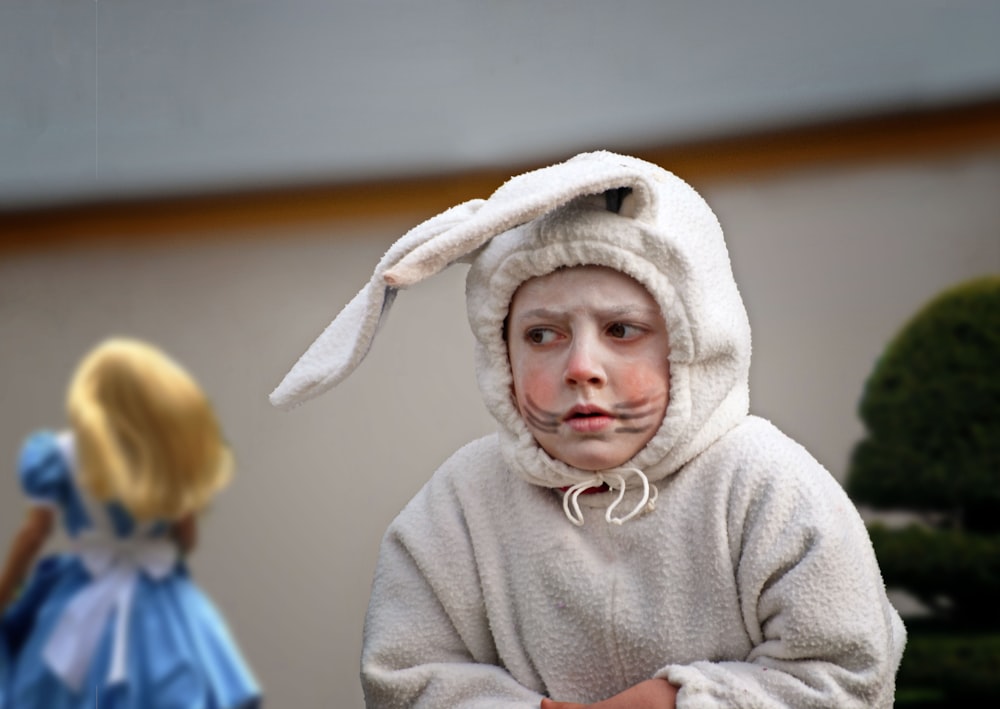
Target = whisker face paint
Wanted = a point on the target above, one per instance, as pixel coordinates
(536, 417)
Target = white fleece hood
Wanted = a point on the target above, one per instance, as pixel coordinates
(597, 209)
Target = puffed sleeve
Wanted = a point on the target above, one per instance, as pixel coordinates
(43, 470)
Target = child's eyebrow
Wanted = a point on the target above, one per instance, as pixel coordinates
(539, 314)
(629, 311)
(611, 313)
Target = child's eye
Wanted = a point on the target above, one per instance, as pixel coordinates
(623, 331)
(540, 335)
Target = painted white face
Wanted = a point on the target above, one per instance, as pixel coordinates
(588, 351)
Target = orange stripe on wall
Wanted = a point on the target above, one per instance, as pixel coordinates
(884, 138)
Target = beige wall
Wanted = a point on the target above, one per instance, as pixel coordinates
(830, 263)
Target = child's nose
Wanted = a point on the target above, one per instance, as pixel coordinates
(584, 365)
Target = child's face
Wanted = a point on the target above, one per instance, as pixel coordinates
(588, 351)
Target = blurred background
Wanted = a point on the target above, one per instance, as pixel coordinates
(221, 176)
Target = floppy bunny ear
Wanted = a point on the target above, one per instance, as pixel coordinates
(456, 235)
(340, 348)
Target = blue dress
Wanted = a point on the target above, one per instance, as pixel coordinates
(117, 623)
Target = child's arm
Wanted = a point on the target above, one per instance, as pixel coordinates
(813, 604)
(427, 638)
(651, 694)
(185, 533)
(23, 549)
(426, 641)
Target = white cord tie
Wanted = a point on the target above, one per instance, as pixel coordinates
(614, 479)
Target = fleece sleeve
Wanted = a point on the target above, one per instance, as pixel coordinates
(823, 631)
(427, 642)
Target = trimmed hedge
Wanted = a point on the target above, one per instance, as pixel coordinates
(931, 410)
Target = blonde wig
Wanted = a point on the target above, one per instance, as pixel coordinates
(146, 434)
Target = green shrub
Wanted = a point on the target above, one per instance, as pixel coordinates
(931, 410)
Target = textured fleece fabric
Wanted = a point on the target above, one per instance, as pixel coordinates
(750, 583)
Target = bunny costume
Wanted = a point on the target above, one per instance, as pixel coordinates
(722, 557)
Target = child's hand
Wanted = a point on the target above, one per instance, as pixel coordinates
(651, 694)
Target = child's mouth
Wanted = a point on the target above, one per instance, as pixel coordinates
(587, 419)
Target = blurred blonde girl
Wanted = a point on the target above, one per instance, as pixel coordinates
(117, 619)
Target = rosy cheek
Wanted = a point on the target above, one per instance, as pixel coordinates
(639, 382)
(538, 384)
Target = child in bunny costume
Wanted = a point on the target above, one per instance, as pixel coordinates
(630, 536)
